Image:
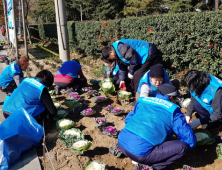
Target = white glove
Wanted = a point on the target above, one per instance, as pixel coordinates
(195, 123)
(187, 119)
(130, 76)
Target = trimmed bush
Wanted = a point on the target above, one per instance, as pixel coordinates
(187, 40)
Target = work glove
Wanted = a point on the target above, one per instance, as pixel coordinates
(188, 119)
(122, 85)
(195, 123)
(130, 76)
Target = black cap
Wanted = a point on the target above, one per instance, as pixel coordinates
(156, 70)
(168, 89)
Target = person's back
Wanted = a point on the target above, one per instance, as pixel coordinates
(27, 95)
(68, 76)
(143, 139)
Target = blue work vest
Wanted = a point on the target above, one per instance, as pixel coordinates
(141, 47)
(152, 89)
(27, 95)
(7, 75)
(153, 120)
(208, 94)
(115, 70)
(70, 68)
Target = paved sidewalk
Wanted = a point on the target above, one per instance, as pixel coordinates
(28, 160)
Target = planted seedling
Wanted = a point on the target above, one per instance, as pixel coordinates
(88, 112)
(81, 146)
(65, 124)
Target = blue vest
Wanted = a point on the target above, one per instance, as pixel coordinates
(153, 120)
(208, 94)
(7, 75)
(152, 89)
(70, 68)
(141, 47)
(27, 95)
(115, 70)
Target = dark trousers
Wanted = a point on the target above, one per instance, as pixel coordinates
(162, 155)
(142, 69)
(201, 110)
(78, 83)
(10, 88)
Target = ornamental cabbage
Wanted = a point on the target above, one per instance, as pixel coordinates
(219, 150)
(109, 130)
(65, 124)
(185, 103)
(61, 113)
(100, 99)
(95, 165)
(72, 103)
(123, 95)
(88, 112)
(51, 92)
(92, 93)
(70, 136)
(86, 88)
(204, 138)
(117, 111)
(108, 108)
(53, 98)
(107, 86)
(57, 104)
(81, 145)
(74, 96)
(100, 122)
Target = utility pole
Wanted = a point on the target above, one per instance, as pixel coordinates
(24, 29)
(6, 22)
(20, 20)
(15, 41)
(62, 30)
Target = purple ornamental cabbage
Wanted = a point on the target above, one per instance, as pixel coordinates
(110, 130)
(116, 111)
(88, 112)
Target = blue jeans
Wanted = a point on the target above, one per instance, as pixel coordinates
(161, 155)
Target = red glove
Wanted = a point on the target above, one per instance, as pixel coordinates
(122, 85)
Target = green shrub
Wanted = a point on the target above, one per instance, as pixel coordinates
(188, 40)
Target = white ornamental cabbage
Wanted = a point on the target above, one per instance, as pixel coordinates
(65, 124)
(185, 103)
(70, 136)
(57, 105)
(72, 132)
(81, 145)
(107, 85)
(95, 165)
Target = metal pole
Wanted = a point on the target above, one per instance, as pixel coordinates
(6, 22)
(81, 11)
(20, 20)
(63, 40)
(15, 32)
(24, 29)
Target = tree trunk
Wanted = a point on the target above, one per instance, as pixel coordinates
(216, 4)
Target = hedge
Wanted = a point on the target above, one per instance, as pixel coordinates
(34, 31)
(187, 40)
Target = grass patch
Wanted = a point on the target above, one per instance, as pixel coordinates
(99, 72)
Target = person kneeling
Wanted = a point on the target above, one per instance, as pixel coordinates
(32, 95)
(67, 76)
(153, 119)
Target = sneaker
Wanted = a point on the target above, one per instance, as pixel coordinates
(186, 167)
